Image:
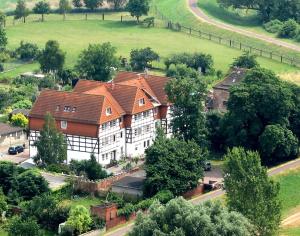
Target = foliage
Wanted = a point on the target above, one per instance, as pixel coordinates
(250, 111)
(91, 168)
(244, 173)
(187, 96)
(117, 3)
(52, 58)
(197, 61)
(19, 120)
(47, 82)
(98, 62)
(3, 38)
(66, 76)
(77, 3)
(22, 104)
(164, 196)
(79, 219)
(141, 59)
(127, 210)
(23, 227)
(41, 8)
(277, 143)
(215, 131)
(246, 60)
(2, 19)
(8, 173)
(137, 8)
(64, 7)
(3, 203)
(51, 145)
(93, 4)
(174, 165)
(289, 29)
(21, 10)
(273, 26)
(180, 218)
(59, 168)
(181, 71)
(115, 198)
(27, 51)
(31, 184)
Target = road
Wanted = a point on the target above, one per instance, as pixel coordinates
(193, 7)
(213, 195)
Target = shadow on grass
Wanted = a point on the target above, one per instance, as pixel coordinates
(229, 16)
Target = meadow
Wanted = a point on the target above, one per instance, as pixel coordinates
(75, 34)
(247, 20)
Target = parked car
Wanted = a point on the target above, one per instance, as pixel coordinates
(15, 150)
(207, 166)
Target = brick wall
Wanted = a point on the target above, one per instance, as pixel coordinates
(194, 192)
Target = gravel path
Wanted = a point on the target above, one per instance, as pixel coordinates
(193, 7)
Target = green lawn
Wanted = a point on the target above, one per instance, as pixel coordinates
(75, 35)
(240, 18)
(289, 191)
(290, 232)
(177, 11)
(84, 201)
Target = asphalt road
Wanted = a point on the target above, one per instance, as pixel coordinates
(193, 7)
(212, 195)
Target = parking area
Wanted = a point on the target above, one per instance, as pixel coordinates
(17, 159)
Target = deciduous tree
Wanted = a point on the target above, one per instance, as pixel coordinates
(23, 227)
(79, 219)
(19, 120)
(21, 10)
(93, 4)
(41, 8)
(141, 59)
(117, 3)
(137, 8)
(64, 7)
(250, 191)
(246, 60)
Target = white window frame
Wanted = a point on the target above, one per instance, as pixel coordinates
(108, 111)
(63, 124)
(141, 102)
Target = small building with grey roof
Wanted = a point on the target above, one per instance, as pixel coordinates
(10, 135)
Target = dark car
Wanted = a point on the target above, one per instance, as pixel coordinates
(12, 151)
(207, 166)
(20, 149)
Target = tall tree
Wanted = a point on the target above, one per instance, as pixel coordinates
(117, 3)
(137, 8)
(250, 191)
(41, 8)
(188, 120)
(174, 165)
(141, 59)
(93, 4)
(21, 10)
(77, 3)
(51, 145)
(179, 217)
(64, 7)
(52, 58)
(98, 62)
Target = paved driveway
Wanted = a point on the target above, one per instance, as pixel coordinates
(55, 181)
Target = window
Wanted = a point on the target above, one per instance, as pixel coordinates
(108, 111)
(67, 109)
(148, 143)
(73, 109)
(121, 135)
(141, 102)
(113, 123)
(64, 124)
(57, 108)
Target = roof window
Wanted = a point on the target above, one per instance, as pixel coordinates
(108, 111)
(141, 102)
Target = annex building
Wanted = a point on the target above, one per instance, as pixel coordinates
(112, 120)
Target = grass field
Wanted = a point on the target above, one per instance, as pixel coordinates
(290, 232)
(177, 11)
(239, 18)
(76, 34)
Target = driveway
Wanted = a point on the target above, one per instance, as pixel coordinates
(193, 7)
(55, 181)
(212, 195)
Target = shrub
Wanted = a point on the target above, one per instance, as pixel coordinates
(273, 26)
(127, 210)
(246, 60)
(79, 219)
(27, 51)
(22, 104)
(298, 37)
(289, 29)
(59, 168)
(19, 120)
(23, 227)
(164, 196)
(4, 56)
(1, 67)
(145, 204)
(142, 58)
(115, 198)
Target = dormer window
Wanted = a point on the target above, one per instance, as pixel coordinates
(142, 102)
(108, 111)
(57, 108)
(67, 109)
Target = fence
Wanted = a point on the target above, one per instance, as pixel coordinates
(227, 42)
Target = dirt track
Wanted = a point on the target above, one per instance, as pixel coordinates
(193, 7)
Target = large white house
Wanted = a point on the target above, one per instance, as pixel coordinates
(112, 120)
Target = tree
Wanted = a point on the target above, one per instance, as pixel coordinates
(250, 110)
(93, 4)
(289, 29)
(8, 173)
(3, 204)
(137, 8)
(188, 120)
(179, 217)
(23, 227)
(117, 3)
(21, 10)
(79, 219)
(31, 184)
(141, 59)
(19, 120)
(3, 39)
(52, 58)
(174, 165)
(41, 8)
(77, 3)
(2, 19)
(66, 76)
(51, 145)
(181, 71)
(250, 191)
(278, 144)
(98, 62)
(27, 51)
(64, 7)
(246, 60)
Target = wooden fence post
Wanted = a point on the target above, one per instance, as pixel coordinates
(281, 59)
(190, 30)
(240, 46)
(230, 42)
(121, 18)
(85, 16)
(102, 16)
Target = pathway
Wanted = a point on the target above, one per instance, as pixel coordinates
(193, 7)
(213, 195)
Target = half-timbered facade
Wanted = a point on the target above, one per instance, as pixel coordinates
(112, 120)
